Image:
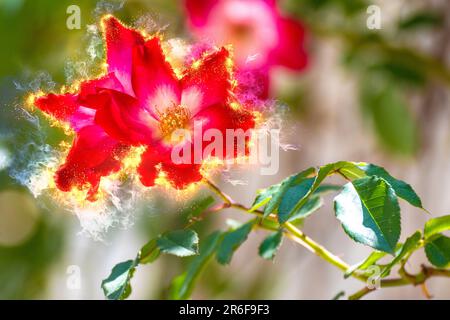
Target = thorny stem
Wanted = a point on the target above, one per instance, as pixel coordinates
(301, 238)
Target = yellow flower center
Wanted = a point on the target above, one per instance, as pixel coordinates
(173, 118)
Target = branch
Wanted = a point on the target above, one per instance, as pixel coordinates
(301, 238)
(406, 279)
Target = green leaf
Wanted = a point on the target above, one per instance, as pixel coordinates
(389, 113)
(420, 20)
(149, 252)
(200, 205)
(312, 204)
(400, 70)
(181, 243)
(349, 170)
(183, 285)
(406, 249)
(117, 285)
(278, 195)
(369, 213)
(264, 196)
(270, 245)
(291, 197)
(363, 265)
(438, 251)
(436, 225)
(401, 188)
(232, 241)
(326, 188)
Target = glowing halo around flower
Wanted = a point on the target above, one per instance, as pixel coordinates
(120, 120)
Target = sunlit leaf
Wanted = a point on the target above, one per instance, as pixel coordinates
(369, 212)
(181, 243)
(436, 225)
(401, 188)
(284, 187)
(117, 285)
(308, 187)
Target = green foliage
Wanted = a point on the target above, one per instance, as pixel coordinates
(401, 188)
(366, 206)
(311, 205)
(270, 245)
(149, 252)
(199, 206)
(277, 192)
(436, 225)
(366, 263)
(117, 285)
(438, 251)
(264, 196)
(232, 240)
(403, 252)
(421, 20)
(292, 194)
(180, 243)
(369, 212)
(288, 204)
(387, 110)
(183, 285)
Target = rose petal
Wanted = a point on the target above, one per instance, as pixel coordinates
(93, 155)
(290, 51)
(154, 80)
(123, 119)
(253, 85)
(60, 106)
(89, 90)
(158, 157)
(223, 117)
(198, 11)
(120, 42)
(207, 84)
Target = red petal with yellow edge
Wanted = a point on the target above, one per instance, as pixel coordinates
(223, 117)
(159, 158)
(211, 79)
(93, 155)
(60, 106)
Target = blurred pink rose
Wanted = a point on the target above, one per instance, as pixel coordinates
(261, 36)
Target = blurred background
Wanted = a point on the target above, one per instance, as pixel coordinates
(380, 96)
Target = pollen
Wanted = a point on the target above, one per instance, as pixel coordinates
(173, 118)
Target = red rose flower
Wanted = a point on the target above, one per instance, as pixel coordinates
(262, 38)
(140, 102)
